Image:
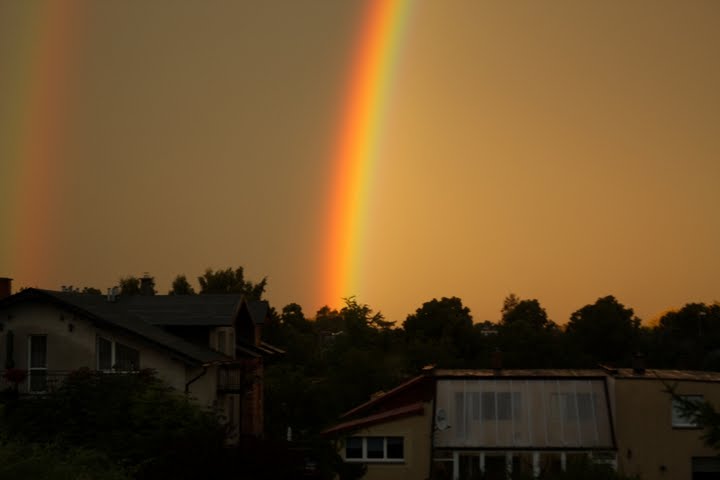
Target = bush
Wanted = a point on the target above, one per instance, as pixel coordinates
(135, 420)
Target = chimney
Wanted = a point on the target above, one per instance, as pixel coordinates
(5, 287)
(147, 285)
(496, 361)
(638, 364)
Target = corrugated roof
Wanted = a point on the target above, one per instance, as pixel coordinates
(520, 373)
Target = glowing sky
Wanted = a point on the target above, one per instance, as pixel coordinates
(559, 150)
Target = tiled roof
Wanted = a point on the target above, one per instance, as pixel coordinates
(164, 310)
(116, 314)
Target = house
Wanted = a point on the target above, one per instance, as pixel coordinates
(462, 424)
(208, 346)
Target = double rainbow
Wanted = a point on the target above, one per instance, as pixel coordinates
(359, 139)
(32, 144)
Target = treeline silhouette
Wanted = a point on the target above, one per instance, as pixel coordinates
(338, 359)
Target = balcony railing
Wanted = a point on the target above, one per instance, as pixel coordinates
(34, 381)
(236, 379)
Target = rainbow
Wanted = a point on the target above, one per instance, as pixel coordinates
(359, 138)
(32, 142)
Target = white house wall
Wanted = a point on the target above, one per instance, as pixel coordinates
(72, 348)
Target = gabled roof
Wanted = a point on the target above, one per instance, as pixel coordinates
(117, 315)
(257, 310)
(397, 413)
(163, 310)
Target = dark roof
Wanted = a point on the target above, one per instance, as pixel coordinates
(519, 373)
(401, 412)
(384, 396)
(670, 375)
(165, 310)
(117, 315)
(258, 310)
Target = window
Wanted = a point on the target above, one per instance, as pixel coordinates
(375, 449)
(37, 350)
(354, 448)
(572, 407)
(114, 356)
(395, 448)
(681, 417)
(501, 405)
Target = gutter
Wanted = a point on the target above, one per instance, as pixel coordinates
(193, 380)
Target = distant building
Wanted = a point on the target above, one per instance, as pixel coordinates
(461, 424)
(208, 346)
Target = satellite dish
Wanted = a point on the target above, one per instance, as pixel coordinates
(441, 422)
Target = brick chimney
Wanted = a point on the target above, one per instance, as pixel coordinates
(147, 285)
(5, 287)
(496, 361)
(638, 364)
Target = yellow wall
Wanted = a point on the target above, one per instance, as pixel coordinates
(646, 440)
(416, 432)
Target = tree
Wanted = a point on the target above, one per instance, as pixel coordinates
(440, 332)
(526, 336)
(229, 281)
(181, 286)
(527, 312)
(605, 331)
(129, 285)
(437, 319)
(91, 291)
(688, 338)
(292, 315)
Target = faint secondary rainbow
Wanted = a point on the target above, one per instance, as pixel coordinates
(374, 63)
(33, 143)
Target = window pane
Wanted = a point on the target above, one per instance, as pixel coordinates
(570, 407)
(38, 351)
(517, 405)
(488, 405)
(395, 448)
(104, 354)
(504, 406)
(375, 447)
(585, 406)
(126, 359)
(460, 414)
(475, 399)
(680, 417)
(353, 447)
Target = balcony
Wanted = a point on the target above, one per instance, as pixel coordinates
(236, 378)
(32, 382)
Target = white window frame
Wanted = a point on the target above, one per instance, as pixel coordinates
(679, 420)
(113, 357)
(32, 369)
(384, 459)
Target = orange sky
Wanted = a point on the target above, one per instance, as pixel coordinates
(558, 150)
